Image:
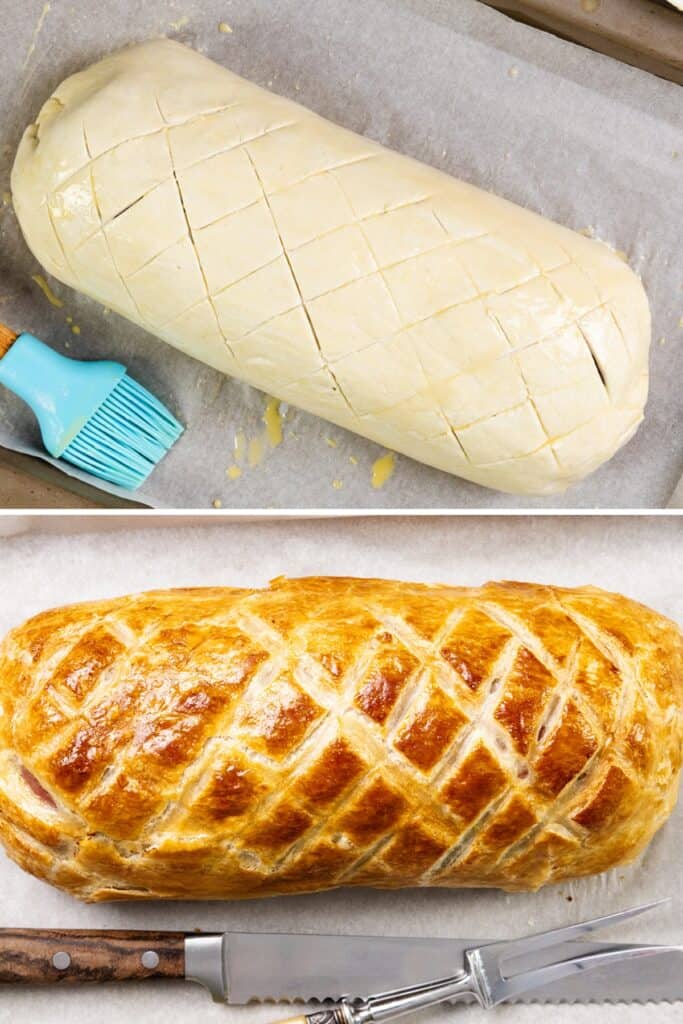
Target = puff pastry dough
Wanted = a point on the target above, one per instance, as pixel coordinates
(360, 285)
(323, 732)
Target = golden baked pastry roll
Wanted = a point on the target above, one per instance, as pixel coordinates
(220, 743)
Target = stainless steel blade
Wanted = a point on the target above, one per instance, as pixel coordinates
(306, 968)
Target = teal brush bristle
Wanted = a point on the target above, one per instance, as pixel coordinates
(126, 437)
(90, 413)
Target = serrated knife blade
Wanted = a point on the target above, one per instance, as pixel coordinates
(258, 967)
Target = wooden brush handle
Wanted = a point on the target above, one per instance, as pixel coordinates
(7, 339)
(42, 956)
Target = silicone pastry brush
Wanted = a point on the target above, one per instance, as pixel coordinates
(91, 414)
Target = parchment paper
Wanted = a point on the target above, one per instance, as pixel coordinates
(638, 556)
(577, 136)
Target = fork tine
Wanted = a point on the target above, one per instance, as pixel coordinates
(542, 976)
(544, 940)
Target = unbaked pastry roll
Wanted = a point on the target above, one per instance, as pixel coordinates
(360, 285)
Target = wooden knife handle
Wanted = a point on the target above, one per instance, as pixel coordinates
(42, 956)
(7, 339)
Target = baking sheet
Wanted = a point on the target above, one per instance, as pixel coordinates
(574, 135)
(640, 556)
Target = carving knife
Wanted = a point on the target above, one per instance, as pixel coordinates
(242, 967)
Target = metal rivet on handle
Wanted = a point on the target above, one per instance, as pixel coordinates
(150, 959)
(61, 961)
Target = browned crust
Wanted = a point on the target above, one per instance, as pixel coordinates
(225, 743)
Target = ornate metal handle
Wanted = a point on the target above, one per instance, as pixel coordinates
(390, 1005)
(333, 1016)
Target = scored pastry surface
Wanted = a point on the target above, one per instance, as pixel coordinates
(327, 731)
(361, 285)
